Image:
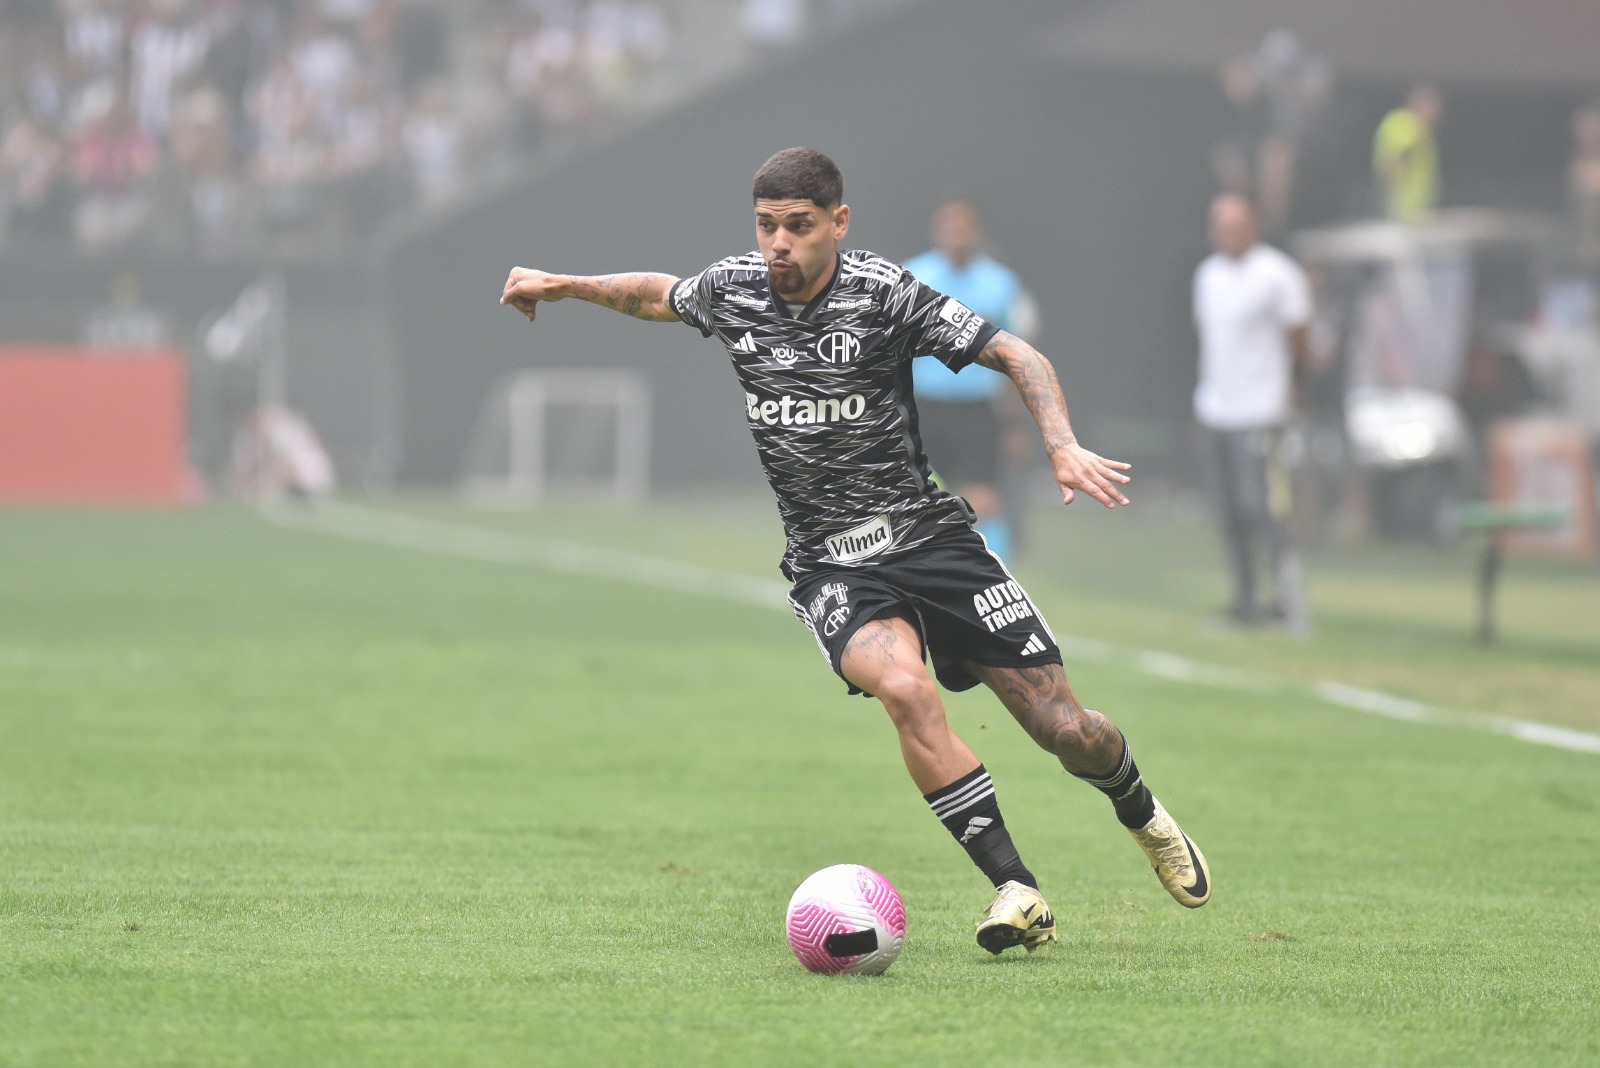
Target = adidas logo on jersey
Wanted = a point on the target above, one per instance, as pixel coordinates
(744, 344)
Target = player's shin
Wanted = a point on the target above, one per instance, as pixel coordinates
(971, 813)
(1130, 797)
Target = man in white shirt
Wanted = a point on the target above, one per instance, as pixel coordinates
(1251, 307)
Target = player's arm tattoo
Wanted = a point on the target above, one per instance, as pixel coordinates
(1037, 384)
(642, 295)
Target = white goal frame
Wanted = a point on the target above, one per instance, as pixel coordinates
(516, 414)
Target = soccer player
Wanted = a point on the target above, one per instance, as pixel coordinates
(886, 567)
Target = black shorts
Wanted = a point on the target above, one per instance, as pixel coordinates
(961, 440)
(965, 604)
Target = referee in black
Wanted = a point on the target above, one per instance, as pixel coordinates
(887, 570)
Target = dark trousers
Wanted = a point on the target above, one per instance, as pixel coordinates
(1250, 483)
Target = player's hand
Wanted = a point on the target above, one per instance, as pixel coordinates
(1076, 468)
(526, 288)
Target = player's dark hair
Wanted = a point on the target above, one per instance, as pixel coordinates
(800, 174)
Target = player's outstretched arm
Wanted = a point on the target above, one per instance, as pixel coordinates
(641, 295)
(1075, 467)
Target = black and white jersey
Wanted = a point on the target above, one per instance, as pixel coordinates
(828, 396)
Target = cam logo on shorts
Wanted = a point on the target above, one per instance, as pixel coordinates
(825, 619)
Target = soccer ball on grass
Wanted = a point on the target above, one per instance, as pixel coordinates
(846, 918)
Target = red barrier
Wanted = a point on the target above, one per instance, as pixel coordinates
(91, 425)
(1542, 463)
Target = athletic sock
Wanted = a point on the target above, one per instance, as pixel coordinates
(970, 812)
(1134, 803)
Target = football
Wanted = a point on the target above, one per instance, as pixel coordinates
(846, 918)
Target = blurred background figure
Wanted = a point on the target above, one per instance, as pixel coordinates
(967, 418)
(277, 457)
(114, 162)
(125, 320)
(1405, 156)
(774, 23)
(1252, 306)
(1583, 186)
(1277, 93)
(35, 191)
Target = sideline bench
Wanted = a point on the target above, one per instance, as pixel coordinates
(1495, 520)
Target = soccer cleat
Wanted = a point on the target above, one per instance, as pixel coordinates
(1017, 916)
(1178, 862)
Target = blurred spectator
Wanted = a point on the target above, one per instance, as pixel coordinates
(289, 156)
(964, 415)
(1277, 95)
(203, 161)
(1405, 156)
(1236, 155)
(325, 66)
(435, 138)
(113, 162)
(1294, 85)
(276, 455)
(1252, 306)
(125, 321)
(220, 124)
(34, 184)
(774, 23)
(96, 34)
(1583, 185)
(165, 51)
(360, 146)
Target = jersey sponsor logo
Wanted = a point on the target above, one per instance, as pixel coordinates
(749, 300)
(839, 346)
(785, 353)
(841, 305)
(744, 344)
(803, 411)
(954, 312)
(1001, 604)
(961, 317)
(858, 543)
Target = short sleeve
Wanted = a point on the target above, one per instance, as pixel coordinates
(691, 298)
(1294, 301)
(936, 325)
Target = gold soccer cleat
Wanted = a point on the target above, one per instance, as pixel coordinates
(1178, 862)
(1016, 916)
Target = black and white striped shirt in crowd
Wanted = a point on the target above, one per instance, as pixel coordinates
(828, 398)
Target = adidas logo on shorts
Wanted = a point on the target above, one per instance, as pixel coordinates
(1034, 645)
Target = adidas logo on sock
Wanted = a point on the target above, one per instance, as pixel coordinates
(975, 827)
(1034, 646)
(744, 344)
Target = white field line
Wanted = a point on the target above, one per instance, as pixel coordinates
(399, 530)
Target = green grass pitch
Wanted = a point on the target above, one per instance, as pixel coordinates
(274, 797)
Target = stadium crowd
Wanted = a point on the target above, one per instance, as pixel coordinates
(250, 125)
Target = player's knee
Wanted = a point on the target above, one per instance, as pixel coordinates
(909, 695)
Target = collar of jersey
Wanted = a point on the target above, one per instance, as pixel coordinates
(815, 302)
